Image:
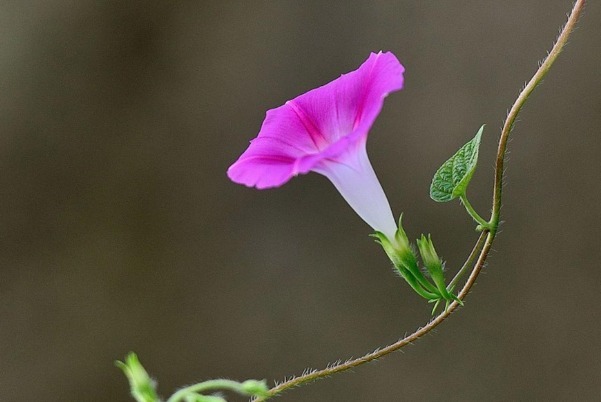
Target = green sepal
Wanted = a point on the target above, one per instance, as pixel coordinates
(421, 279)
(415, 283)
(398, 249)
(452, 178)
(436, 303)
(457, 299)
(405, 263)
(403, 258)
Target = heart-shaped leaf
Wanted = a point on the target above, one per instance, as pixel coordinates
(452, 178)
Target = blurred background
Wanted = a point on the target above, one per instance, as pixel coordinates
(120, 230)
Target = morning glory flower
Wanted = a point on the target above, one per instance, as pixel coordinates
(325, 131)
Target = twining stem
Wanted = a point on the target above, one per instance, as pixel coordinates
(489, 231)
(536, 79)
(468, 263)
(470, 210)
(316, 375)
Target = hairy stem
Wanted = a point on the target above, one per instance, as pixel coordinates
(536, 79)
(316, 375)
(489, 231)
(470, 210)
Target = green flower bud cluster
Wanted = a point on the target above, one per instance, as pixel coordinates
(428, 282)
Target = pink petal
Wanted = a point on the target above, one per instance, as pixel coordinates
(320, 124)
(351, 103)
(325, 130)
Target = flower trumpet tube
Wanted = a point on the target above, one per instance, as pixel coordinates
(325, 131)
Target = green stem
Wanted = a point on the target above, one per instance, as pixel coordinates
(489, 233)
(468, 262)
(210, 385)
(470, 210)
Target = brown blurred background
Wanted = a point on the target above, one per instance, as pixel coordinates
(120, 231)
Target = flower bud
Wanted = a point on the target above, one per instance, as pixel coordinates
(429, 256)
(432, 262)
(141, 385)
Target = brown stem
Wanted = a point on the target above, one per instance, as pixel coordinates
(489, 234)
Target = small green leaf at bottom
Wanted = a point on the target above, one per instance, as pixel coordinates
(452, 178)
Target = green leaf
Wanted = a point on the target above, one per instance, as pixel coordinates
(452, 178)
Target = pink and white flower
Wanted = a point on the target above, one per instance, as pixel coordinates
(325, 130)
